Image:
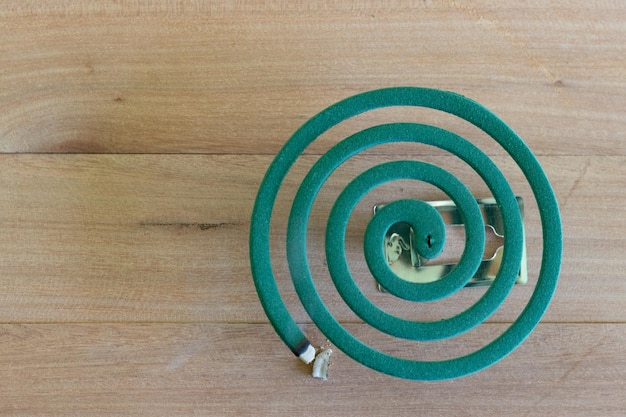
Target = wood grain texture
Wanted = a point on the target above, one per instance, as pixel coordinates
(241, 369)
(164, 237)
(133, 139)
(169, 78)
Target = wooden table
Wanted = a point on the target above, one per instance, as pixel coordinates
(134, 136)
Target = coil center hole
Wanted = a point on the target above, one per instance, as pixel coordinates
(404, 260)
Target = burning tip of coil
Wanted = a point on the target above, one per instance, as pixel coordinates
(308, 354)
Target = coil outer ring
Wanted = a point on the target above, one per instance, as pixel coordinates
(451, 103)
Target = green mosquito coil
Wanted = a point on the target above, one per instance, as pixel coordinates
(422, 217)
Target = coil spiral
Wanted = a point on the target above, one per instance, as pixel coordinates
(422, 217)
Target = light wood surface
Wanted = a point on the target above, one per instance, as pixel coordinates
(134, 136)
